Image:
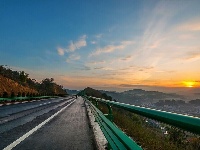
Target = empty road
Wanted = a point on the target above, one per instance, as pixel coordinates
(48, 124)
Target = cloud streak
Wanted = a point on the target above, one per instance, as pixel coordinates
(193, 55)
(110, 48)
(73, 57)
(73, 46)
(193, 25)
(161, 46)
(99, 36)
(127, 58)
(60, 51)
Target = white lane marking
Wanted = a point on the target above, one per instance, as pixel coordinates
(22, 138)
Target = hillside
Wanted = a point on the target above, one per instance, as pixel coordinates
(7, 85)
(139, 96)
(18, 83)
(72, 92)
(95, 93)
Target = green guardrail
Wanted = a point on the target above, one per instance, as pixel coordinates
(115, 137)
(25, 98)
(188, 123)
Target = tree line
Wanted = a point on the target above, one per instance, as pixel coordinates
(46, 87)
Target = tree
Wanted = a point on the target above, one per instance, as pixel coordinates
(23, 94)
(19, 94)
(5, 94)
(12, 94)
(23, 76)
(31, 95)
(107, 97)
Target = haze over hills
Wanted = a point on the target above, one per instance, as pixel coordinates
(19, 82)
(151, 99)
(184, 93)
(72, 92)
(135, 96)
(139, 96)
(147, 47)
(188, 92)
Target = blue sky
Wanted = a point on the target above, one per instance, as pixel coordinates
(103, 44)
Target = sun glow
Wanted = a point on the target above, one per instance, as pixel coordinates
(189, 84)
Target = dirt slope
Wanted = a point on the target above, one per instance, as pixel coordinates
(9, 86)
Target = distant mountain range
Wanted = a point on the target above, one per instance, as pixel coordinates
(72, 92)
(135, 96)
(138, 96)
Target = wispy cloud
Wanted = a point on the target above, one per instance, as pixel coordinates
(60, 51)
(193, 55)
(74, 45)
(96, 62)
(110, 48)
(97, 68)
(93, 42)
(73, 57)
(192, 25)
(162, 46)
(86, 68)
(127, 58)
(98, 36)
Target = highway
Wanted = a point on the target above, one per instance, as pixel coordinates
(59, 123)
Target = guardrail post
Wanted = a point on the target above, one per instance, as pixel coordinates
(96, 104)
(109, 146)
(110, 114)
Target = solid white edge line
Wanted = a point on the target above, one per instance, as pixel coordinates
(15, 143)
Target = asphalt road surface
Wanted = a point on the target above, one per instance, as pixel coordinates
(61, 125)
(8, 110)
(15, 115)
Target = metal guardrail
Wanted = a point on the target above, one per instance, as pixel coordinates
(25, 98)
(116, 138)
(188, 123)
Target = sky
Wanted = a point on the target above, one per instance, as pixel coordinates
(111, 45)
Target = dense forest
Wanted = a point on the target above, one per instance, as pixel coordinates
(18, 83)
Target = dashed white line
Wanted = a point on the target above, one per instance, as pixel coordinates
(22, 138)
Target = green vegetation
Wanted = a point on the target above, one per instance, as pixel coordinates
(23, 76)
(18, 83)
(92, 92)
(148, 136)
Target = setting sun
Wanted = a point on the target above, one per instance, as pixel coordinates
(189, 83)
